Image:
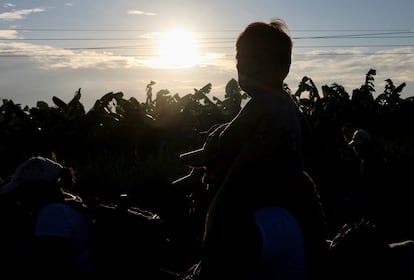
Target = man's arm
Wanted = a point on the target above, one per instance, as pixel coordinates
(241, 128)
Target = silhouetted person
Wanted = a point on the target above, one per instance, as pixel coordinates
(279, 241)
(262, 145)
(363, 247)
(58, 234)
(374, 189)
(276, 259)
(372, 160)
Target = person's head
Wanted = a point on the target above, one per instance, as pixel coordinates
(37, 180)
(263, 54)
(361, 143)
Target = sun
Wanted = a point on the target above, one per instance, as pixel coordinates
(176, 49)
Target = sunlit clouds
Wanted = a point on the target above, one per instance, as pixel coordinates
(8, 5)
(122, 45)
(8, 34)
(177, 49)
(138, 12)
(19, 14)
(348, 67)
(47, 57)
(167, 50)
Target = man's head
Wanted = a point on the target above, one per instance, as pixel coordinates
(40, 172)
(360, 137)
(362, 143)
(263, 55)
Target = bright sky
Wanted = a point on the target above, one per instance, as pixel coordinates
(51, 48)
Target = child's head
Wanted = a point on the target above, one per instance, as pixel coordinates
(263, 55)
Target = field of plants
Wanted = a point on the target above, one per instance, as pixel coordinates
(133, 146)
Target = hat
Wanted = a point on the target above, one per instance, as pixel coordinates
(209, 151)
(34, 169)
(360, 136)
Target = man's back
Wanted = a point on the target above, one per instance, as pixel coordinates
(67, 223)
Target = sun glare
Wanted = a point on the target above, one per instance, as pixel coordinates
(176, 50)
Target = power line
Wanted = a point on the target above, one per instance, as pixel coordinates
(109, 30)
(230, 39)
(206, 31)
(202, 43)
(138, 47)
(357, 54)
(3, 55)
(74, 30)
(382, 35)
(364, 35)
(357, 46)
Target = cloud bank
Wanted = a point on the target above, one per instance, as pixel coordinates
(19, 14)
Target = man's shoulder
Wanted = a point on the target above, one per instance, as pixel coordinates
(60, 211)
(57, 207)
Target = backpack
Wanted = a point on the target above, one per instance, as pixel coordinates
(127, 239)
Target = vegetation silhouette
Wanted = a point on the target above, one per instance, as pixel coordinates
(128, 146)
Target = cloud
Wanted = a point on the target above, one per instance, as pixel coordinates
(8, 5)
(51, 71)
(8, 34)
(138, 12)
(348, 67)
(335, 52)
(19, 14)
(69, 4)
(47, 57)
